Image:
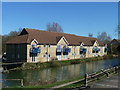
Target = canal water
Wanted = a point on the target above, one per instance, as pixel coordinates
(56, 74)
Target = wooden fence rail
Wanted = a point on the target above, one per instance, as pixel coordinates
(97, 76)
(14, 80)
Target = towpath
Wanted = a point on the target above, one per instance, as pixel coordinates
(110, 82)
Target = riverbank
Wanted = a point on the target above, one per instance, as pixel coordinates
(56, 63)
(71, 83)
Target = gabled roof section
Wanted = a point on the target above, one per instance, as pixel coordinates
(48, 37)
(58, 38)
(34, 41)
(64, 40)
(93, 41)
(118, 40)
(24, 32)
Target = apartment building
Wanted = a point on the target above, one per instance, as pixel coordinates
(42, 46)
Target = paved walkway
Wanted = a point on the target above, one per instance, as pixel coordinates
(111, 82)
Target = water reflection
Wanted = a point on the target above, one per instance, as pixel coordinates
(57, 73)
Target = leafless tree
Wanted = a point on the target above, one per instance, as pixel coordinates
(8, 37)
(55, 27)
(0, 44)
(117, 31)
(103, 37)
(90, 35)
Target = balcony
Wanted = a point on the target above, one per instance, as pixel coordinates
(66, 50)
(35, 50)
(83, 50)
(96, 50)
(59, 50)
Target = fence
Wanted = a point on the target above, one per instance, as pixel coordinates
(96, 76)
(15, 80)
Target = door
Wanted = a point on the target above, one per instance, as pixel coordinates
(59, 57)
(65, 56)
(34, 58)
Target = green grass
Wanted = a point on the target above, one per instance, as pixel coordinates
(51, 85)
(78, 84)
(89, 84)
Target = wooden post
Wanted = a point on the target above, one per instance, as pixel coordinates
(107, 74)
(21, 82)
(115, 69)
(86, 75)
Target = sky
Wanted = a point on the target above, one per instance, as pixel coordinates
(79, 18)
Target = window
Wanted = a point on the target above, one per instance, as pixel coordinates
(58, 46)
(49, 55)
(18, 56)
(44, 55)
(49, 45)
(34, 45)
(81, 47)
(74, 54)
(65, 46)
(44, 45)
(101, 50)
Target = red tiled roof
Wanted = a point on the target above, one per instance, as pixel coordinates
(48, 37)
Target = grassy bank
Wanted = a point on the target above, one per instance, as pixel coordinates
(78, 84)
(57, 63)
(50, 85)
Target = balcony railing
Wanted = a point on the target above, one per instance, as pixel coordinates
(83, 50)
(63, 50)
(59, 49)
(66, 50)
(35, 50)
(96, 49)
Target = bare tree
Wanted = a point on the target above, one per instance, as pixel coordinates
(90, 35)
(103, 37)
(0, 44)
(55, 27)
(118, 30)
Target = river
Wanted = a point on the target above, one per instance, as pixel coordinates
(56, 74)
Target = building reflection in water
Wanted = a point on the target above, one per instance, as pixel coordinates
(58, 73)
